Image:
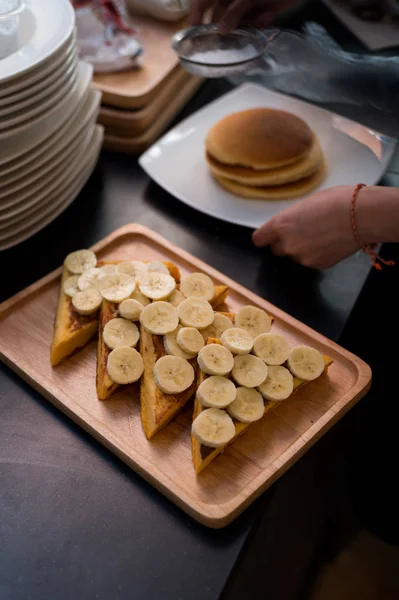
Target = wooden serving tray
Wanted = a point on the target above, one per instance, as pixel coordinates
(137, 144)
(132, 123)
(250, 465)
(139, 86)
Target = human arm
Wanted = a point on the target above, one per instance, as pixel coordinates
(230, 13)
(317, 232)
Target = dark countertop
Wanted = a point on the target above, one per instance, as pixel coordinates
(75, 522)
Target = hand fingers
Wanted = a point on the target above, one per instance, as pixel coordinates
(234, 15)
(219, 10)
(198, 9)
(277, 248)
(265, 235)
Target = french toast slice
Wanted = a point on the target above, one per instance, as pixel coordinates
(104, 385)
(71, 330)
(158, 408)
(204, 455)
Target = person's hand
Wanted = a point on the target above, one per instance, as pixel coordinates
(230, 13)
(315, 232)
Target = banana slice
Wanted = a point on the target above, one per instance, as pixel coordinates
(254, 320)
(130, 309)
(136, 269)
(216, 391)
(197, 285)
(89, 278)
(195, 312)
(215, 359)
(125, 365)
(79, 261)
(175, 298)
(249, 371)
(137, 295)
(305, 362)
(87, 302)
(248, 406)
(213, 427)
(120, 332)
(172, 347)
(70, 286)
(272, 348)
(215, 330)
(108, 269)
(116, 286)
(159, 318)
(237, 340)
(279, 384)
(173, 374)
(158, 286)
(157, 267)
(190, 340)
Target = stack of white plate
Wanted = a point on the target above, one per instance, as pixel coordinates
(49, 140)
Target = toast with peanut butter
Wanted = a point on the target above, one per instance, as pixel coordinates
(204, 454)
(159, 408)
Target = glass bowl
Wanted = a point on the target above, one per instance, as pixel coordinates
(204, 51)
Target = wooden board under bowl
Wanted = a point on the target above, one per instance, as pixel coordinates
(247, 468)
(137, 144)
(132, 123)
(139, 86)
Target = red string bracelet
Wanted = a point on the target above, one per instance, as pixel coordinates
(367, 248)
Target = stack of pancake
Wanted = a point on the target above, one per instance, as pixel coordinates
(266, 154)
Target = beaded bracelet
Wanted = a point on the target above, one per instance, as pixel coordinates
(367, 248)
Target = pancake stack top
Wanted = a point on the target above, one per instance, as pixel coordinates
(265, 153)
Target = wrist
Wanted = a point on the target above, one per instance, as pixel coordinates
(377, 214)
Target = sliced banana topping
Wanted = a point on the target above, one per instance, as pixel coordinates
(173, 374)
(159, 318)
(215, 359)
(137, 295)
(157, 267)
(272, 348)
(254, 320)
(213, 427)
(116, 286)
(215, 330)
(158, 286)
(216, 391)
(195, 312)
(237, 340)
(197, 285)
(130, 309)
(172, 347)
(190, 340)
(305, 362)
(248, 406)
(125, 365)
(108, 269)
(175, 298)
(70, 286)
(136, 269)
(249, 371)
(89, 278)
(279, 384)
(120, 332)
(87, 302)
(79, 261)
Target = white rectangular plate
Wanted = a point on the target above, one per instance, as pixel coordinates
(176, 162)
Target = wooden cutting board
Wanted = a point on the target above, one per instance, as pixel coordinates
(131, 123)
(247, 468)
(137, 144)
(138, 87)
